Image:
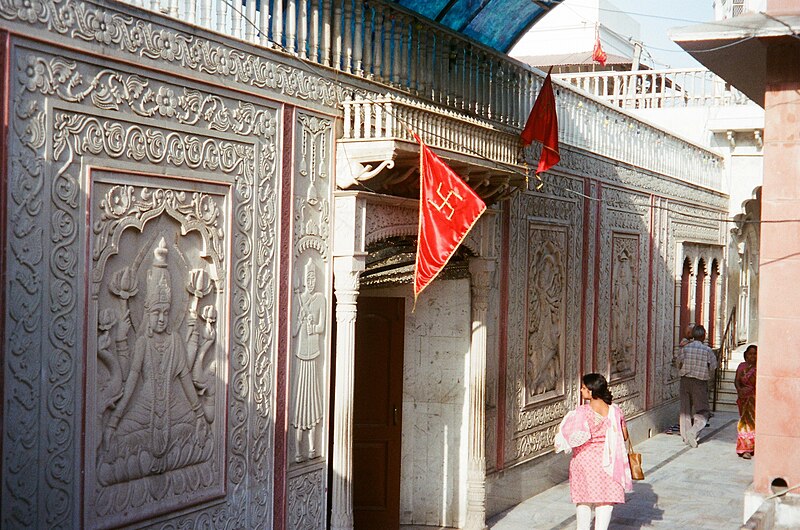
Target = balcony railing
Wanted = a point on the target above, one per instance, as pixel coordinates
(480, 97)
(583, 123)
(655, 89)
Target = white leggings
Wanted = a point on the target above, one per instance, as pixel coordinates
(602, 516)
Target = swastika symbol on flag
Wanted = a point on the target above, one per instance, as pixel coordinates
(445, 201)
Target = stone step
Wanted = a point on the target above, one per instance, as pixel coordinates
(726, 407)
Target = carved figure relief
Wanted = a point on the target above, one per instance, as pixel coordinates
(546, 312)
(624, 297)
(156, 435)
(309, 332)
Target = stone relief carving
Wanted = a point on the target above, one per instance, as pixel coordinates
(546, 311)
(159, 277)
(306, 501)
(309, 331)
(38, 76)
(624, 304)
(114, 29)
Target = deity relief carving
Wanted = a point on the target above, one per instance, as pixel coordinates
(308, 332)
(155, 386)
(546, 312)
(624, 297)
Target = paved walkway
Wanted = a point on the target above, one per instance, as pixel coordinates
(684, 488)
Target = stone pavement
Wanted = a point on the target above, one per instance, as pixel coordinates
(684, 488)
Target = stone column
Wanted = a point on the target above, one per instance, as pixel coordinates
(346, 272)
(778, 386)
(481, 271)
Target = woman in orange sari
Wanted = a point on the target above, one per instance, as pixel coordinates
(745, 383)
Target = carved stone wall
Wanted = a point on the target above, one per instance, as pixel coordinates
(590, 267)
(140, 331)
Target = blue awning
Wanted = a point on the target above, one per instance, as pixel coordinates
(495, 23)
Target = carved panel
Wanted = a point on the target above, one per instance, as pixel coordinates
(624, 314)
(542, 228)
(170, 315)
(310, 329)
(155, 392)
(546, 312)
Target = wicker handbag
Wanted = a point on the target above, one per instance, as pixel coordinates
(635, 461)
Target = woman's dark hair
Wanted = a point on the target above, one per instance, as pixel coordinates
(599, 387)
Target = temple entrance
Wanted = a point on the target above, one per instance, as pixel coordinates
(377, 412)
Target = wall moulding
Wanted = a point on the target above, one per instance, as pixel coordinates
(116, 30)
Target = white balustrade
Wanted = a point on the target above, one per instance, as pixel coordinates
(650, 89)
(464, 96)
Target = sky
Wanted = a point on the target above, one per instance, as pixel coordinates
(657, 16)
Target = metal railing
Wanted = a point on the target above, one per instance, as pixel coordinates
(728, 343)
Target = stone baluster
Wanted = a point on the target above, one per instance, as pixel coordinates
(172, 10)
(263, 23)
(337, 34)
(402, 51)
(205, 13)
(485, 90)
(430, 64)
(347, 270)
(481, 270)
(236, 23)
(357, 111)
(377, 54)
(388, 23)
(326, 32)
(250, 21)
(368, 106)
(347, 38)
(291, 25)
(379, 117)
(348, 115)
(414, 38)
(398, 51)
(314, 35)
(191, 12)
(358, 37)
(302, 29)
(277, 23)
(390, 123)
(369, 20)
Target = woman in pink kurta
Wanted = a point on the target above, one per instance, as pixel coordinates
(599, 474)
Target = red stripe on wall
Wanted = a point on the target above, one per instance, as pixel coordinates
(650, 348)
(503, 341)
(282, 370)
(587, 211)
(597, 255)
(5, 68)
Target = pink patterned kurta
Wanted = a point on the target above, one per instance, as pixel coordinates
(588, 481)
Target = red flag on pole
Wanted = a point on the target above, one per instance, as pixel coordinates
(598, 55)
(542, 125)
(448, 209)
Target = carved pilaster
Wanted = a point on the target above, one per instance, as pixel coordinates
(346, 273)
(481, 270)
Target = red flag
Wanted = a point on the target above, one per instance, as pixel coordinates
(598, 55)
(448, 209)
(542, 125)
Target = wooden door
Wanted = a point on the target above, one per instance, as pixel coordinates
(377, 411)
